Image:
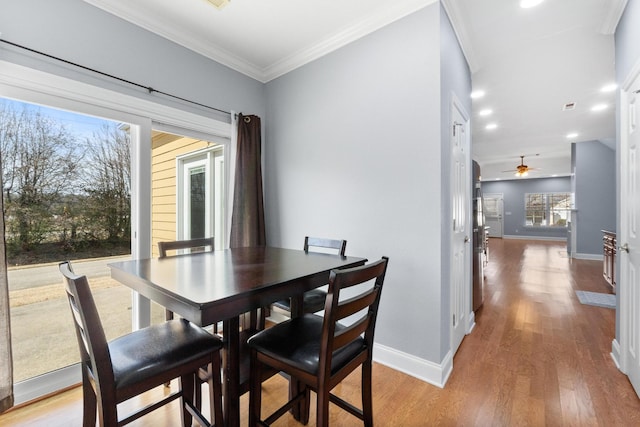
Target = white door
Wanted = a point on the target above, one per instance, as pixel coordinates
(201, 195)
(629, 238)
(493, 214)
(461, 224)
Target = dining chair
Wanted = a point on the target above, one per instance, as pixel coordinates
(313, 300)
(118, 370)
(200, 244)
(319, 352)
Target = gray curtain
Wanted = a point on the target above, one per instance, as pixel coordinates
(247, 220)
(6, 367)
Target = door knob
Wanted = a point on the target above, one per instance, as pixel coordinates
(624, 248)
(466, 239)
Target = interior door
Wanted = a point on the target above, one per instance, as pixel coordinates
(629, 239)
(461, 224)
(493, 214)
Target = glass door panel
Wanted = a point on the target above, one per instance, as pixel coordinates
(66, 183)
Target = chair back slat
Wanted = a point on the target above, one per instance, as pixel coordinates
(318, 242)
(354, 305)
(350, 333)
(200, 243)
(370, 276)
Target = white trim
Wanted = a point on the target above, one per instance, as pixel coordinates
(592, 257)
(456, 17)
(467, 298)
(59, 91)
(33, 388)
(30, 85)
(432, 373)
(612, 18)
(521, 237)
(471, 324)
(624, 306)
(615, 355)
(367, 25)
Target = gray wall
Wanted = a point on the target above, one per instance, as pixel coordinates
(356, 152)
(513, 192)
(595, 195)
(79, 32)
(627, 39)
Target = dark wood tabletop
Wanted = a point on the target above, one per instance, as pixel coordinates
(209, 287)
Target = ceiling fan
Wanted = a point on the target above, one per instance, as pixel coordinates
(521, 169)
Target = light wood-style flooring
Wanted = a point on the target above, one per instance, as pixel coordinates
(537, 357)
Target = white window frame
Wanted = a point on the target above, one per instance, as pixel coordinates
(547, 209)
(212, 159)
(39, 87)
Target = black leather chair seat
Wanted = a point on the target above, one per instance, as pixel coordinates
(153, 351)
(313, 301)
(297, 341)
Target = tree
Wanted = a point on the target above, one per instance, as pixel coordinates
(39, 162)
(108, 181)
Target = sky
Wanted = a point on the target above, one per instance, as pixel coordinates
(78, 124)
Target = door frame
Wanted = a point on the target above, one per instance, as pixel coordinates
(468, 322)
(621, 348)
(39, 87)
(499, 196)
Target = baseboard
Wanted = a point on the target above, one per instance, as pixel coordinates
(615, 355)
(432, 373)
(592, 257)
(520, 237)
(472, 322)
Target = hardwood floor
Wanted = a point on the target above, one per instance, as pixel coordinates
(536, 357)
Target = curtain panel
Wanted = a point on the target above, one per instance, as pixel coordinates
(247, 220)
(6, 367)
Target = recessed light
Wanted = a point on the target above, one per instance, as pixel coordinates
(526, 4)
(599, 107)
(609, 88)
(485, 112)
(572, 135)
(477, 94)
(491, 126)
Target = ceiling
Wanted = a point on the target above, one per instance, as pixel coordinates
(529, 62)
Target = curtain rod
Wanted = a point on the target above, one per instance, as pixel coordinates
(147, 88)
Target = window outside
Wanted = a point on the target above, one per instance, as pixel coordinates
(547, 209)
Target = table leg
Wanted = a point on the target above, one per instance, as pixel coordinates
(231, 385)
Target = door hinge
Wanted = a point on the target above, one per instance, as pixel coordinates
(454, 320)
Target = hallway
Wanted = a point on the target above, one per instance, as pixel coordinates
(537, 357)
(542, 356)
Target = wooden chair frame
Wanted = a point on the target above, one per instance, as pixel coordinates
(99, 388)
(333, 338)
(314, 242)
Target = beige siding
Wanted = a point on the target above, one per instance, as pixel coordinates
(165, 149)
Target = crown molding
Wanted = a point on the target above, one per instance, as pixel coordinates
(459, 24)
(365, 26)
(613, 16)
(360, 29)
(189, 41)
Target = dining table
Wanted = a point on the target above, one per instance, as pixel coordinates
(221, 286)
